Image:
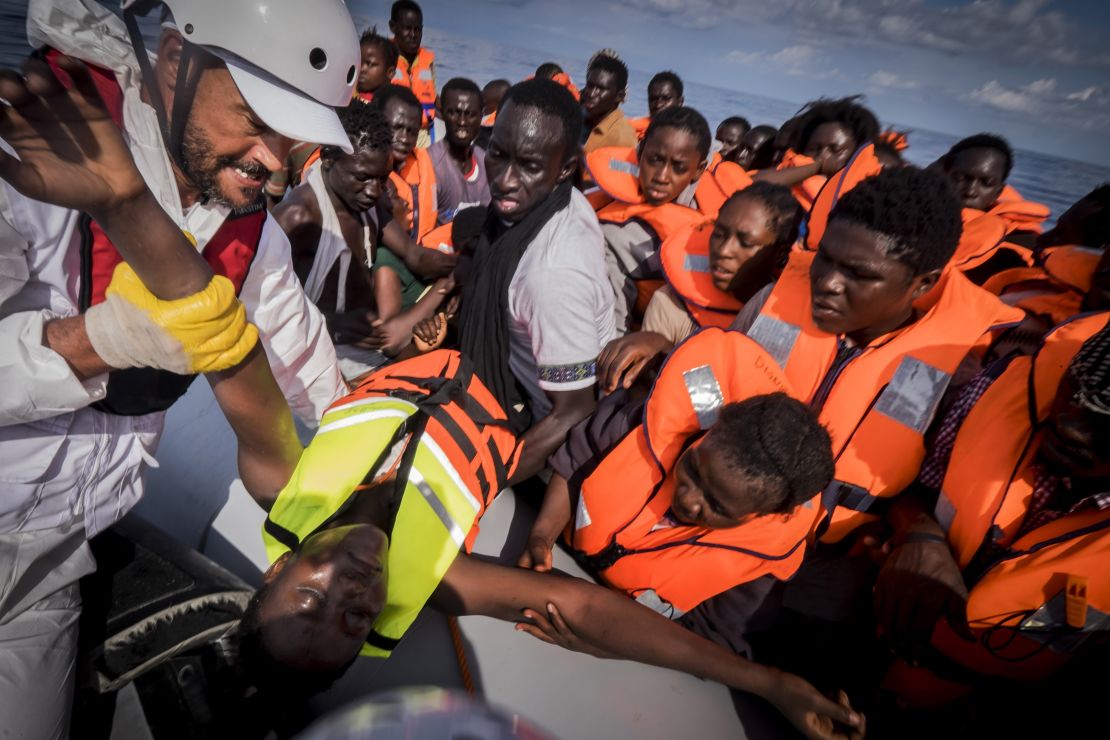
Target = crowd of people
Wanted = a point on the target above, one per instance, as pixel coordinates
(811, 416)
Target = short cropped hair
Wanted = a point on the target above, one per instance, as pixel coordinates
(371, 37)
(607, 60)
(765, 155)
(401, 6)
(777, 440)
(984, 141)
(669, 78)
(385, 93)
(740, 121)
(786, 213)
(916, 209)
(552, 99)
(461, 85)
(683, 119)
(547, 70)
(848, 112)
(365, 125)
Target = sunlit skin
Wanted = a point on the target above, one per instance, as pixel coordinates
(857, 290)
(373, 71)
(404, 122)
(833, 142)
(1076, 440)
(527, 158)
(978, 176)
(708, 492)
(356, 181)
(662, 95)
(322, 601)
(229, 151)
(408, 32)
(749, 147)
(601, 96)
(669, 162)
(730, 135)
(742, 229)
(462, 114)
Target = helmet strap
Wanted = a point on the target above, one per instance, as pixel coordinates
(152, 89)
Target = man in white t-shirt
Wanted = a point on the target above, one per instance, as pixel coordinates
(537, 307)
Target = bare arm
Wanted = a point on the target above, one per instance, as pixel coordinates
(614, 624)
(427, 263)
(789, 176)
(567, 409)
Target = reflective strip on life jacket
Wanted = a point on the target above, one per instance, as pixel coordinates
(420, 79)
(632, 489)
(616, 172)
(884, 398)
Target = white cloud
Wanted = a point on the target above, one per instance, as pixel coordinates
(997, 95)
(1043, 100)
(796, 60)
(882, 78)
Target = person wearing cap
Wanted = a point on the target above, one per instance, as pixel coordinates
(84, 373)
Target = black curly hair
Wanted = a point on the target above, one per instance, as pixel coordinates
(983, 141)
(683, 119)
(371, 37)
(765, 154)
(552, 99)
(786, 213)
(667, 77)
(860, 121)
(915, 209)
(547, 70)
(607, 60)
(461, 85)
(740, 121)
(778, 441)
(385, 93)
(402, 6)
(366, 127)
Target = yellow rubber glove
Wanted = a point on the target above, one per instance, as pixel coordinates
(203, 332)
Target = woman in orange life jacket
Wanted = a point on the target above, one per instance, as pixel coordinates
(648, 186)
(996, 575)
(826, 135)
(756, 150)
(413, 182)
(1072, 270)
(1000, 227)
(730, 134)
(663, 91)
(743, 251)
(379, 62)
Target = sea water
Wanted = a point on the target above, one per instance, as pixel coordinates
(1054, 181)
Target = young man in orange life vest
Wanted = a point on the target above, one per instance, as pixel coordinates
(663, 91)
(415, 64)
(492, 94)
(996, 577)
(413, 182)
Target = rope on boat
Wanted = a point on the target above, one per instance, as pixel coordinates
(460, 654)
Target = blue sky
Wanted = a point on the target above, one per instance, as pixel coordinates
(1036, 71)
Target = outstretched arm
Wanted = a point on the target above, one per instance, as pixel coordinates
(567, 409)
(611, 624)
(427, 263)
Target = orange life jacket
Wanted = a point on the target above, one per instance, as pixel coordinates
(673, 569)
(1018, 213)
(640, 126)
(714, 160)
(862, 165)
(415, 183)
(1055, 289)
(898, 140)
(1026, 608)
(685, 260)
(564, 79)
(806, 191)
(883, 400)
(420, 78)
(230, 252)
(982, 237)
(439, 238)
(715, 187)
(489, 120)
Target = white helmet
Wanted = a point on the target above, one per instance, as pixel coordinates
(292, 60)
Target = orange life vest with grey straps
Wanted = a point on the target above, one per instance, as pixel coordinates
(685, 260)
(862, 165)
(420, 78)
(1046, 590)
(1055, 289)
(415, 184)
(620, 504)
(880, 403)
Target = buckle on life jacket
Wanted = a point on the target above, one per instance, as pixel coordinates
(608, 557)
(1075, 601)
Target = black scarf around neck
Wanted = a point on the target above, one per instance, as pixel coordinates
(483, 319)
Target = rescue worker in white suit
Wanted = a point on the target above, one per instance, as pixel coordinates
(81, 340)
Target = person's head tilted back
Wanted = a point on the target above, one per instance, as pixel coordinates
(533, 147)
(887, 241)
